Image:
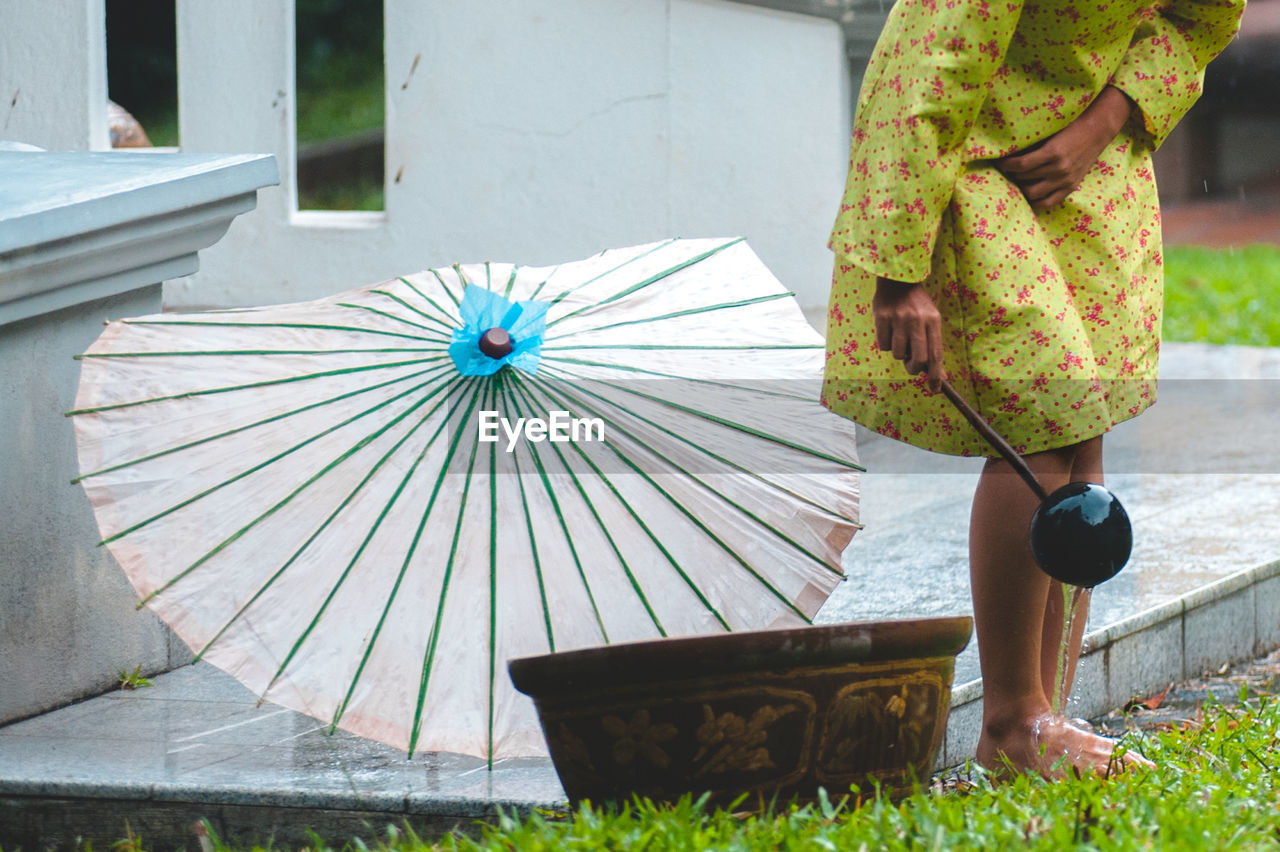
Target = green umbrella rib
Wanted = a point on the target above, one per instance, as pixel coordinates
(250, 385)
(555, 362)
(305, 325)
(723, 306)
(428, 660)
(373, 530)
(494, 386)
(745, 429)
(688, 514)
(435, 333)
(533, 550)
(240, 532)
(413, 549)
(448, 324)
(528, 521)
(262, 422)
(553, 369)
(320, 529)
(536, 455)
(570, 389)
(448, 320)
(684, 346)
(640, 285)
(261, 465)
(564, 293)
(604, 529)
(221, 353)
(457, 270)
(456, 302)
(545, 281)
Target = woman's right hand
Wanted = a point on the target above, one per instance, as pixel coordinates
(909, 326)
(1051, 170)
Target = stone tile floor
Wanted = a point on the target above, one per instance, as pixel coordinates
(198, 732)
(197, 746)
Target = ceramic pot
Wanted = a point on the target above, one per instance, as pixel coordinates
(773, 714)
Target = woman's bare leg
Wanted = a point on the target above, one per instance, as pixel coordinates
(1010, 603)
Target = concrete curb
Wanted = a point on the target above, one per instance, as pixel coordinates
(63, 814)
(1233, 619)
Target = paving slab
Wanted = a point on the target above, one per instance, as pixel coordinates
(198, 742)
(1198, 474)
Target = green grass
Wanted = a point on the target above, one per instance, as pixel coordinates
(1216, 786)
(1223, 295)
(343, 197)
(340, 109)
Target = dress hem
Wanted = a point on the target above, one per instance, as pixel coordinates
(968, 442)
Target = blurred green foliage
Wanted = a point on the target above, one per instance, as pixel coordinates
(339, 42)
(1223, 295)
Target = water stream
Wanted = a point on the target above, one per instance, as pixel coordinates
(1071, 598)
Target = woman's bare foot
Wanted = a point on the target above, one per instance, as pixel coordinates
(1052, 747)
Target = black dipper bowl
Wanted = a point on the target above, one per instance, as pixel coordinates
(1080, 534)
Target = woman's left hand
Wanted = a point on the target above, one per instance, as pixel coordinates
(1053, 169)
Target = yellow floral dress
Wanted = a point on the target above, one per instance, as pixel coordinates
(1051, 319)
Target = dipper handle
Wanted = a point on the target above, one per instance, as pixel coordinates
(993, 438)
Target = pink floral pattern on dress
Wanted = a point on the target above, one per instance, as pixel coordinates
(1051, 318)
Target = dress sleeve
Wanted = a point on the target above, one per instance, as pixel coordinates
(1163, 70)
(927, 80)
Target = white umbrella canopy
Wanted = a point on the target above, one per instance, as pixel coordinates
(306, 494)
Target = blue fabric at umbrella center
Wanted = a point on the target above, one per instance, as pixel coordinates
(483, 310)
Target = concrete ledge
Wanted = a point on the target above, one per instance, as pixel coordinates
(47, 822)
(76, 226)
(1233, 619)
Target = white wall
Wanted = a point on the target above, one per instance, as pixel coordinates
(53, 74)
(533, 131)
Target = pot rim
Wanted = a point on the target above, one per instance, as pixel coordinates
(683, 657)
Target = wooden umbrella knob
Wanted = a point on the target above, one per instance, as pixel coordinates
(496, 343)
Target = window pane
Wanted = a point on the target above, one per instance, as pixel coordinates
(340, 104)
(142, 73)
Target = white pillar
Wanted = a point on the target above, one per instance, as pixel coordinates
(84, 237)
(53, 74)
(760, 117)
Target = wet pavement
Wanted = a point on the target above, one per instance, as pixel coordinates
(196, 746)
